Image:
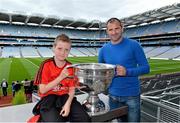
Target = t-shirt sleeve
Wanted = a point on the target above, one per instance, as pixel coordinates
(42, 75)
(45, 74)
(100, 56)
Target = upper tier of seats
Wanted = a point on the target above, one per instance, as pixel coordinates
(36, 31)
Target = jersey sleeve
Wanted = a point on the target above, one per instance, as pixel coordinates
(42, 75)
(45, 74)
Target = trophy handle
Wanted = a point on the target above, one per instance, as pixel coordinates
(115, 71)
(70, 66)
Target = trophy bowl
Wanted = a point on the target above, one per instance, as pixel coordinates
(97, 77)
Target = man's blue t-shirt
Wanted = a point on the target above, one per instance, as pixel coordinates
(127, 53)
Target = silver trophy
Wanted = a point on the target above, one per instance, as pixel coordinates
(96, 77)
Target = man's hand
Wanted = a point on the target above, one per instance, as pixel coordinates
(120, 70)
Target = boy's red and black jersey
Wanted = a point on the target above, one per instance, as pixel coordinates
(48, 71)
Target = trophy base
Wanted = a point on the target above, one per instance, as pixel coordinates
(94, 106)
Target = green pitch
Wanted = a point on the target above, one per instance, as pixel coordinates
(13, 69)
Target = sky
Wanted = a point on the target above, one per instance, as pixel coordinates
(87, 10)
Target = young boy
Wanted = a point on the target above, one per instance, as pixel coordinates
(56, 89)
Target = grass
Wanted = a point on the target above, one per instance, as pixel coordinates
(163, 66)
(13, 69)
(19, 98)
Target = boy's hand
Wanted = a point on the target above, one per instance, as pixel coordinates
(65, 110)
(64, 73)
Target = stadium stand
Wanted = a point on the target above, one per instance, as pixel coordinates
(86, 51)
(32, 53)
(26, 35)
(10, 52)
(162, 95)
(157, 51)
(77, 52)
(149, 29)
(45, 52)
(171, 54)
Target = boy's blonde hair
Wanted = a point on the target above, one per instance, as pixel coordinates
(63, 38)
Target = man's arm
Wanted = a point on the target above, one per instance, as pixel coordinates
(100, 56)
(142, 63)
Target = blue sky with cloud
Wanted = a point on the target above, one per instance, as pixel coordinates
(84, 9)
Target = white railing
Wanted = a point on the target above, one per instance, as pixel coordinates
(165, 111)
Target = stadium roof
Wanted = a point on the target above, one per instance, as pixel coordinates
(161, 14)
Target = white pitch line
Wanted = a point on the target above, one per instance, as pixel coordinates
(32, 63)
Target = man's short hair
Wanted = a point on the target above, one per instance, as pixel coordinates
(111, 20)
